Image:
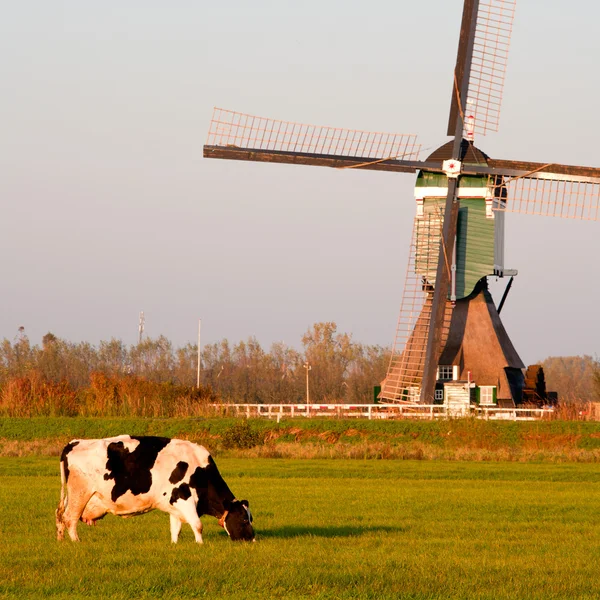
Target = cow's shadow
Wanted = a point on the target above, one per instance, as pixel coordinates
(295, 531)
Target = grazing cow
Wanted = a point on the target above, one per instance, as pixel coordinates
(129, 475)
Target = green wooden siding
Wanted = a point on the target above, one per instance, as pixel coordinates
(475, 232)
(475, 245)
(425, 179)
(474, 248)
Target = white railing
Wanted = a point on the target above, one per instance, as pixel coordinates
(378, 411)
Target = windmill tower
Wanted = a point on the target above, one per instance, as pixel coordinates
(449, 336)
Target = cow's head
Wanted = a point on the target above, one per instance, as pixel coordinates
(238, 521)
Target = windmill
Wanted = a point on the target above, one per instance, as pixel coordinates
(450, 338)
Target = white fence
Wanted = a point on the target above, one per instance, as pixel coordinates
(378, 411)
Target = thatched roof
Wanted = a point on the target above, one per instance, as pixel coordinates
(478, 342)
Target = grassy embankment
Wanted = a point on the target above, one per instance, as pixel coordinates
(458, 439)
(326, 529)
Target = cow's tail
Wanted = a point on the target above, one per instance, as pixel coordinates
(60, 509)
(63, 485)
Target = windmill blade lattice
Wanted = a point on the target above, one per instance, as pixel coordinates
(490, 57)
(548, 195)
(238, 130)
(405, 369)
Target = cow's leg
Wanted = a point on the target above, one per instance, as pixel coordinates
(175, 528)
(187, 508)
(79, 495)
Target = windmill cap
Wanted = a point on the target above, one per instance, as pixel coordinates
(469, 154)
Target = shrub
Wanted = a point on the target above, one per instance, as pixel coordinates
(241, 435)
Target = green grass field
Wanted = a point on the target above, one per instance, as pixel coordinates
(326, 529)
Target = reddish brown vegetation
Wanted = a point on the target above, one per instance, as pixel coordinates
(127, 395)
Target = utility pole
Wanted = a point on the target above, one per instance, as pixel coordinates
(199, 355)
(308, 368)
(141, 327)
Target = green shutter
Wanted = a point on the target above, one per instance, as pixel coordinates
(376, 392)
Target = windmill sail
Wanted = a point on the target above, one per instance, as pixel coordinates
(239, 136)
(491, 43)
(551, 197)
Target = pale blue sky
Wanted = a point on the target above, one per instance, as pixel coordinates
(109, 207)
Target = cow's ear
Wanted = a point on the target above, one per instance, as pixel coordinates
(245, 503)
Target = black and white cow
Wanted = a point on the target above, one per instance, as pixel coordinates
(129, 475)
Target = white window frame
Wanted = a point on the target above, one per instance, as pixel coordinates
(445, 372)
(486, 394)
(438, 394)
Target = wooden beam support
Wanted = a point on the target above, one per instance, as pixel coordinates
(508, 168)
(318, 160)
(510, 282)
(442, 278)
(463, 56)
(522, 168)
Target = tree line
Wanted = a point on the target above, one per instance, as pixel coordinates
(154, 378)
(575, 378)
